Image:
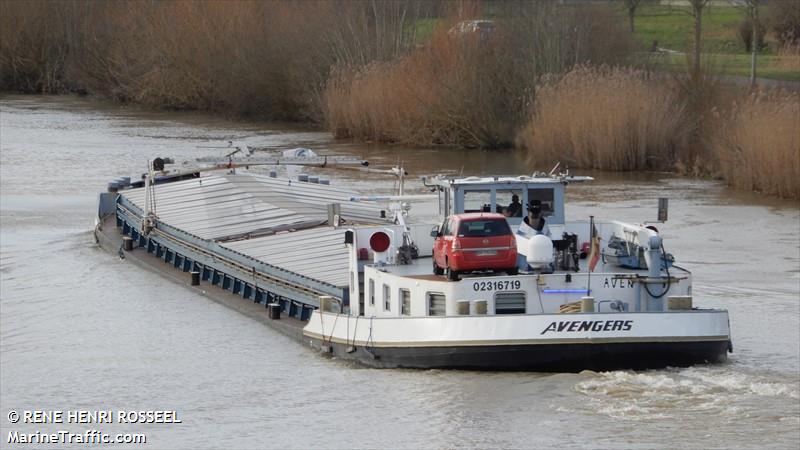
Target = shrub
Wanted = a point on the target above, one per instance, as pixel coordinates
(455, 91)
(746, 34)
(471, 89)
(758, 146)
(785, 19)
(606, 118)
(35, 42)
(267, 59)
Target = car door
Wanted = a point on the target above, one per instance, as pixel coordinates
(447, 239)
(439, 248)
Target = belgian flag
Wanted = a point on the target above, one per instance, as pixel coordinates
(594, 252)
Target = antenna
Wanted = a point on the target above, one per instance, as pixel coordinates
(402, 178)
(149, 200)
(663, 207)
(663, 211)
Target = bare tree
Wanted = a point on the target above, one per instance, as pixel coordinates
(696, 11)
(751, 10)
(630, 7)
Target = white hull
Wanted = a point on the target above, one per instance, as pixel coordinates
(526, 342)
(676, 326)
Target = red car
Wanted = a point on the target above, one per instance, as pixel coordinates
(474, 241)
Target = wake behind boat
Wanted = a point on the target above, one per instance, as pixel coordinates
(362, 282)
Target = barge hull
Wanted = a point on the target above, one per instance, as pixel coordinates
(537, 357)
(109, 239)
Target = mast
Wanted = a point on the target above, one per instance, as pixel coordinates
(591, 256)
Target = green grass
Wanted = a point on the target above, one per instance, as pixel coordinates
(768, 66)
(724, 51)
(424, 28)
(673, 27)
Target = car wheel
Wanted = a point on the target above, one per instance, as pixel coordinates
(452, 275)
(436, 269)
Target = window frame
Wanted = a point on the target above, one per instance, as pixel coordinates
(466, 193)
(428, 303)
(387, 297)
(550, 200)
(403, 310)
(524, 302)
(519, 192)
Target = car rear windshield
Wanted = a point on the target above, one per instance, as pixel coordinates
(484, 228)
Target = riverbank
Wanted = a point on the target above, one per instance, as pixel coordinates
(627, 119)
(408, 73)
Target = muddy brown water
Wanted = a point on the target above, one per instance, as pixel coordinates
(81, 329)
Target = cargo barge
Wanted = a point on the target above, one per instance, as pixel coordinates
(354, 278)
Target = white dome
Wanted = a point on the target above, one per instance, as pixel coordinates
(540, 251)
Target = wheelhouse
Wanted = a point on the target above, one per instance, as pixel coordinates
(509, 196)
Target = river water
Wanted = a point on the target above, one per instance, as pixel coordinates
(81, 329)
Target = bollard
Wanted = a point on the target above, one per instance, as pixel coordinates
(463, 307)
(679, 302)
(587, 304)
(327, 304)
(127, 243)
(195, 278)
(274, 311)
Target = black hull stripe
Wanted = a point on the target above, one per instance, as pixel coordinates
(487, 342)
(540, 358)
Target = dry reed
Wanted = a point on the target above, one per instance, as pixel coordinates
(788, 58)
(268, 59)
(605, 118)
(273, 59)
(470, 89)
(35, 41)
(448, 93)
(758, 146)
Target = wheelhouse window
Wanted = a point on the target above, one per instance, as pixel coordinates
(478, 201)
(387, 298)
(509, 303)
(371, 292)
(436, 304)
(405, 302)
(544, 199)
(509, 202)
